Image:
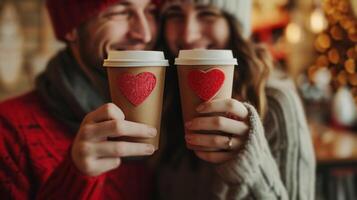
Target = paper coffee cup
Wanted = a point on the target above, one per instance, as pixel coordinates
(136, 82)
(204, 75)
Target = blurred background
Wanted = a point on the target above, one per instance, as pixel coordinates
(315, 41)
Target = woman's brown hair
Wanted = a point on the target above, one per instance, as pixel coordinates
(254, 66)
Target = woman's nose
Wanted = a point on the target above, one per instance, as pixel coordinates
(191, 31)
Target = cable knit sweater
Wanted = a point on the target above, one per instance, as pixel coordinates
(35, 162)
(277, 162)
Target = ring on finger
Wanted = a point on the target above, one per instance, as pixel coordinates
(230, 143)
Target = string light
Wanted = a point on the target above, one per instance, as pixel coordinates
(318, 22)
(293, 33)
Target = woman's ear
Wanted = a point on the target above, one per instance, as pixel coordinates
(71, 36)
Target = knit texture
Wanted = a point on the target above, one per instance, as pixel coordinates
(35, 160)
(78, 94)
(277, 162)
(69, 14)
(240, 9)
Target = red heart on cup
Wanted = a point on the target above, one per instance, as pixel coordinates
(136, 88)
(206, 84)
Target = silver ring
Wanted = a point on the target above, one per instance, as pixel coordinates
(230, 142)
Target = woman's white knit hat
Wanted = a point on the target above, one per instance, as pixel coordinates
(240, 9)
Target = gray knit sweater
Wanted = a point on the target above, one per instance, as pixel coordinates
(277, 162)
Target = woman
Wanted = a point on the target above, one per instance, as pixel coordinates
(270, 155)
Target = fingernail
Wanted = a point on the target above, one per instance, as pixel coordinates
(188, 138)
(188, 124)
(152, 132)
(200, 108)
(150, 149)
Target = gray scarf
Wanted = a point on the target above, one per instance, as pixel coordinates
(67, 90)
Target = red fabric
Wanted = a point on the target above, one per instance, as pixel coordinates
(136, 88)
(69, 14)
(206, 84)
(35, 162)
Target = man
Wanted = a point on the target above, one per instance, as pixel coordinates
(50, 143)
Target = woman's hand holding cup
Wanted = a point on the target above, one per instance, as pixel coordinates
(215, 123)
(231, 126)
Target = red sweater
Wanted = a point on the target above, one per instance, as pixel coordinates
(35, 162)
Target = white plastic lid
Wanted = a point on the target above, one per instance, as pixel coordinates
(205, 57)
(132, 58)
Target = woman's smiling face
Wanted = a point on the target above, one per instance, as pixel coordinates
(192, 26)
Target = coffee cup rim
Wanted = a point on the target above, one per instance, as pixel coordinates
(135, 58)
(188, 62)
(206, 57)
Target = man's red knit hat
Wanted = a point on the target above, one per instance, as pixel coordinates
(68, 14)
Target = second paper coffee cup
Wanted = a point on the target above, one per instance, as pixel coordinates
(203, 75)
(136, 82)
